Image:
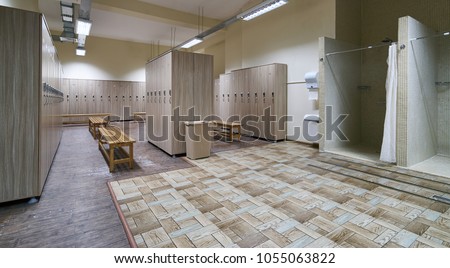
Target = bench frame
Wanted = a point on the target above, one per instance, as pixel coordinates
(95, 122)
(227, 129)
(108, 153)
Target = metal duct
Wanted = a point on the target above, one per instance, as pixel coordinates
(85, 9)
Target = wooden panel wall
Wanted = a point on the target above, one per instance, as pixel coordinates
(29, 104)
(251, 92)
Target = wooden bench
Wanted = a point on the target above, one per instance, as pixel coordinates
(139, 116)
(230, 130)
(81, 116)
(95, 122)
(115, 138)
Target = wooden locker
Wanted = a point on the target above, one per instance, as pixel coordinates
(203, 85)
(30, 103)
(259, 88)
(173, 77)
(279, 101)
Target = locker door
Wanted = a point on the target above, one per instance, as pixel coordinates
(224, 112)
(99, 98)
(90, 96)
(244, 97)
(116, 99)
(265, 78)
(107, 97)
(66, 91)
(255, 96)
(216, 108)
(74, 99)
(82, 87)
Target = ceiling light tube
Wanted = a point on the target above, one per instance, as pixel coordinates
(192, 42)
(83, 26)
(67, 18)
(261, 9)
(66, 9)
(81, 51)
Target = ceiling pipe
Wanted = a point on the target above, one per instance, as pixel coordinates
(85, 9)
(218, 27)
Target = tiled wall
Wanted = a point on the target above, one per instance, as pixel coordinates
(443, 89)
(422, 94)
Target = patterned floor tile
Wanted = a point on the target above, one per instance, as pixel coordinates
(283, 195)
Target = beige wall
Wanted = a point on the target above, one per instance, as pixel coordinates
(218, 51)
(106, 59)
(287, 35)
(30, 5)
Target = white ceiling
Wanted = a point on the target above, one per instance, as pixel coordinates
(217, 9)
(130, 25)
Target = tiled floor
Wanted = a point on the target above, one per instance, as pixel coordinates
(285, 195)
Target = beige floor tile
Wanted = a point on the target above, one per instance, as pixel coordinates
(223, 239)
(155, 237)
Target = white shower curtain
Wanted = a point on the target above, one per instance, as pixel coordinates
(388, 149)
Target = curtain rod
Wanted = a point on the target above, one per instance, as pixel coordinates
(359, 49)
(430, 36)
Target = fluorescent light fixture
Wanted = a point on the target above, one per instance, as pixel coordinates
(192, 42)
(447, 33)
(81, 40)
(261, 9)
(83, 26)
(66, 9)
(81, 51)
(67, 18)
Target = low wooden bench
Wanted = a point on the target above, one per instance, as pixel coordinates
(230, 130)
(84, 118)
(115, 138)
(95, 122)
(139, 116)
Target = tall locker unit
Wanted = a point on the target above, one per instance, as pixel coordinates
(252, 91)
(30, 104)
(177, 82)
(274, 98)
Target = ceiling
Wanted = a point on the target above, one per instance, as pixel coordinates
(149, 21)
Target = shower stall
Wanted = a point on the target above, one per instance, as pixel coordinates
(354, 80)
(353, 86)
(424, 98)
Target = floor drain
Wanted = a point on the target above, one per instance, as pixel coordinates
(442, 199)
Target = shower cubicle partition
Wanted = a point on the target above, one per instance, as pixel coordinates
(353, 86)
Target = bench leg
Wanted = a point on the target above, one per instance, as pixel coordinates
(111, 158)
(131, 163)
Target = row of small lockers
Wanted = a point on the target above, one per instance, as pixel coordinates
(96, 96)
